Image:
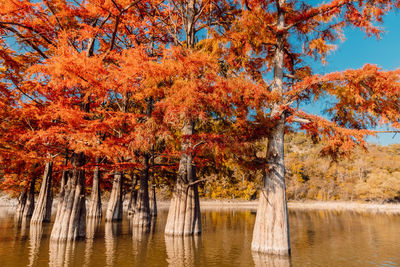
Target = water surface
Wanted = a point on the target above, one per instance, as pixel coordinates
(318, 238)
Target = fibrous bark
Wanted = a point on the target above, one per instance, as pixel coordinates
(133, 195)
(184, 212)
(271, 229)
(30, 200)
(26, 202)
(42, 211)
(153, 202)
(70, 222)
(114, 207)
(142, 216)
(94, 209)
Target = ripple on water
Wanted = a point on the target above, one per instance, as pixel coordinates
(318, 238)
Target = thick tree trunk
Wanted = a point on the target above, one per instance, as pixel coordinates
(153, 202)
(64, 180)
(271, 229)
(94, 210)
(114, 207)
(142, 216)
(184, 212)
(42, 211)
(30, 200)
(21, 204)
(70, 222)
(133, 195)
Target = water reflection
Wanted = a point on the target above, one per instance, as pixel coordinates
(267, 260)
(60, 253)
(35, 237)
(112, 230)
(23, 225)
(182, 251)
(92, 229)
(318, 238)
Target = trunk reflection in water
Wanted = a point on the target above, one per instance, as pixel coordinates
(182, 250)
(112, 230)
(92, 229)
(35, 236)
(318, 238)
(61, 253)
(267, 260)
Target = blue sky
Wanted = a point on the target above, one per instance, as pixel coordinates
(357, 50)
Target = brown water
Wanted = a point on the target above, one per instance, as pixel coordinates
(317, 238)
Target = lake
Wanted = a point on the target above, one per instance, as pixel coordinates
(318, 238)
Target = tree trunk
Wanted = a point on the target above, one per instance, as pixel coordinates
(64, 179)
(95, 198)
(153, 202)
(30, 200)
(142, 216)
(271, 228)
(114, 208)
(133, 195)
(42, 212)
(70, 222)
(184, 212)
(21, 205)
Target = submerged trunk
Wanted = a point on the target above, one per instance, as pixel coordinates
(142, 217)
(30, 200)
(184, 212)
(114, 208)
(133, 196)
(21, 204)
(42, 210)
(70, 222)
(271, 228)
(153, 202)
(95, 198)
(64, 179)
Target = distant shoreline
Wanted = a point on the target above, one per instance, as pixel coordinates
(390, 208)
